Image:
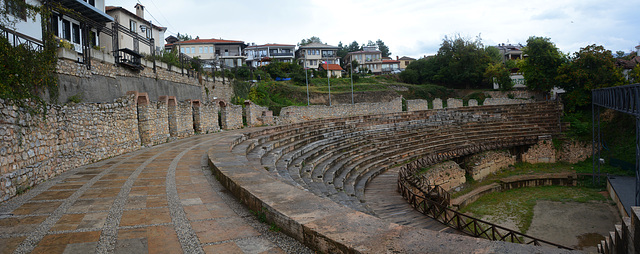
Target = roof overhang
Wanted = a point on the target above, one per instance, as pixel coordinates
(85, 9)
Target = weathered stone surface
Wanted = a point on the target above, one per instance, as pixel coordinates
(296, 114)
(437, 103)
(447, 174)
(481, 165)
(416, 105)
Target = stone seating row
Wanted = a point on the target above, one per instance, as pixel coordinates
(336, 159)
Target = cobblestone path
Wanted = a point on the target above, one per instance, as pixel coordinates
(161, 199)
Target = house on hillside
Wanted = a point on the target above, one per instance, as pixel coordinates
(405, 61)
(312, 55)
(260, 55)
(390, 66)
(79, 30)
(215, 52)
(135, 33)
(333, 70)
(369, 59)
(510, 52)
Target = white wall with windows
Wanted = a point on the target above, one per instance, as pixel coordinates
(24, 24)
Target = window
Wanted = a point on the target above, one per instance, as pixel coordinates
(17, 8)
(54, 25)
(182, 50)
(132, 26)
(193, 50)
(92, 38)
(76, 33)
(206, 50)
(91, 2)
(66, 30)
(148, 31)
(211, 49)
(200, 49)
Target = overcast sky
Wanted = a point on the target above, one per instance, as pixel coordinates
(409, 27)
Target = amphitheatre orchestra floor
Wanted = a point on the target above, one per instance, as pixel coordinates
(161, 199)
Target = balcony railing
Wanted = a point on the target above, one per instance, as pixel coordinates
(282, 54)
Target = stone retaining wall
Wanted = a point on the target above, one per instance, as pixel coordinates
(154, 120)
(296, 114)
(231, 116)
(255, 113)
(180, 118)
(34, 149)
(481, 165)
(205, 117)
(447, 174)
(542, 152)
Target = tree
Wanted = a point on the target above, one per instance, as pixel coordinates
(498, 73)
(590, 68)
(342, 51)
(461, 62)
(313, 39)
(540, 68)
(383, 48)
(184, 37)
(353, 47)
(370, 43)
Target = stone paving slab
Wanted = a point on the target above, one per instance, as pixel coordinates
(161, 199)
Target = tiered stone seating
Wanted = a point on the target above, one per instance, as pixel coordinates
(336, 158)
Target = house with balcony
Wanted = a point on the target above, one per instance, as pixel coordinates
(333, 70)
(312, 55)
(510, 52)
(78, 29)
(390, 66)
(136, 33)
(369, 59)
(215, 52)
(260, 55)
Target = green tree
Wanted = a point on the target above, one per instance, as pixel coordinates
(184, 37)
(498, 73)
(313, 39)
(383, 48)
(540, 68)
(420, 71)
(634, 75)
(354, 46)
(590, 68)
(461, 63)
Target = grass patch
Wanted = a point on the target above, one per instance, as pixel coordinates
(518, 204)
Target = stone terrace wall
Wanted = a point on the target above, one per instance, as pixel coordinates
(205, 117)
(516, 94)
(417, 105)
(180, 118)
(103, 65)
(296, 114)
(454, 103)
(33, 150)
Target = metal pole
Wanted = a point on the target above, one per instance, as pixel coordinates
(328, 82)
(636, 97)
(593, 140)
(351, 76)
(306, 79)
(599, 142)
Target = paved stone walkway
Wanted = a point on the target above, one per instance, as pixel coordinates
(161, 199)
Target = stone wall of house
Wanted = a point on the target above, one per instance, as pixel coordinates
(417, 105)
(205, 117)
(483, 164)
(254, 114)
(35, 149)
(153, 120)
(231, 116)
(447, 174)
(296, 114)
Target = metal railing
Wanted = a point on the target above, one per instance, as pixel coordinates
(15, 38)
(465, 223)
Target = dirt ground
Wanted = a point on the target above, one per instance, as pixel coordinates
(576, 225)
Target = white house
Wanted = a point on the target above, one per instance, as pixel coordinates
(260, 55)
(136, 25)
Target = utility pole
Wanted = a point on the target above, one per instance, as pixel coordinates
(351, 76)
(306, 79)
(328, 82)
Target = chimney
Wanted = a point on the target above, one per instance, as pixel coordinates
(397, 58)
(140, 10)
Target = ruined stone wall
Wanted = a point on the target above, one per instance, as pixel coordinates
(417, 105)
(254, 114)
(180, 119)
(483, 164)
(205, 117)
(231, 117)
(437, 103)
(542, 152)
(454, 103)
(296, 114)
(153, 122)
(574, 151)
(505, 101)
(447, 174)
(34, 149)
(516, 94)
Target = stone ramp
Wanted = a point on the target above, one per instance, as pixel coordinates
(160, 199)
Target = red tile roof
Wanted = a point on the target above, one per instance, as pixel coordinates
(205, 41)
(390, 61)
(332, 67)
